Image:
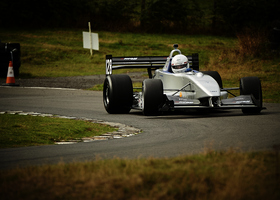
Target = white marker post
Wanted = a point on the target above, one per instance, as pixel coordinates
(90, 40)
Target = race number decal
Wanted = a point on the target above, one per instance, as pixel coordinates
(108, 66)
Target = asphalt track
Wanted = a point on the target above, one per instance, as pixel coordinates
(162, 136)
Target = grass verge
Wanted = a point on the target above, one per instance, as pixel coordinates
(60, 53)
(21, 130)
(212, 175)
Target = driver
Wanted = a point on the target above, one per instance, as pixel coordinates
(179, 63)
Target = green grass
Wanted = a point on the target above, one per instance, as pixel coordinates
(60, 53)
(21, 130)
(229, 175)
(54, 53)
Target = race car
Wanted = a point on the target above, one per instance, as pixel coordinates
(174, 83)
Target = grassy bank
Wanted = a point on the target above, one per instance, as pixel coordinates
(26, 130)
(54, 53)
(212, 175)
(60, 52)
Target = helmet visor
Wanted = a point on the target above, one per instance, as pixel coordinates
(179, 66)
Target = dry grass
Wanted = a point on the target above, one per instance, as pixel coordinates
(250, 57)
(252, 42)
(212, 175)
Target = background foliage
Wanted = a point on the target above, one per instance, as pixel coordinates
(184, 16)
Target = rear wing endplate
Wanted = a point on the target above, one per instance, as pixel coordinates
(149, 62)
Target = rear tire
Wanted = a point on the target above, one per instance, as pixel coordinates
(252, 86)
(152, 96)
(215, 75)
(117, 94)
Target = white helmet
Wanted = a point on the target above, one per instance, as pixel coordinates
(179, 63)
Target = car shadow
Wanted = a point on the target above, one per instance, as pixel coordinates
(197, 113)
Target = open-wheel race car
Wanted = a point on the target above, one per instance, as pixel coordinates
(176, 83)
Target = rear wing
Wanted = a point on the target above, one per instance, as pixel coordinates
(149, 62)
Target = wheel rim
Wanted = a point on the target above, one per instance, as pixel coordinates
(106, 95)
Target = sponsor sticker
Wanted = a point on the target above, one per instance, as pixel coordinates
(129, 58)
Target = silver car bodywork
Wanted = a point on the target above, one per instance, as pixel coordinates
(192, 89)
(188, 89)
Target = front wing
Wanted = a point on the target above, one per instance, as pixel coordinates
(175, 102)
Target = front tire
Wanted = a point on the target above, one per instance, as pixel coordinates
(152, 96)
(117, 94)
(252, 86)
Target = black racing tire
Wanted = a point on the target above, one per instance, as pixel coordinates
(252, 86)
(117, 94)
(152, 96)
(215, 75)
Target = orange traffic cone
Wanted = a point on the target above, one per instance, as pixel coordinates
(10, 81)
